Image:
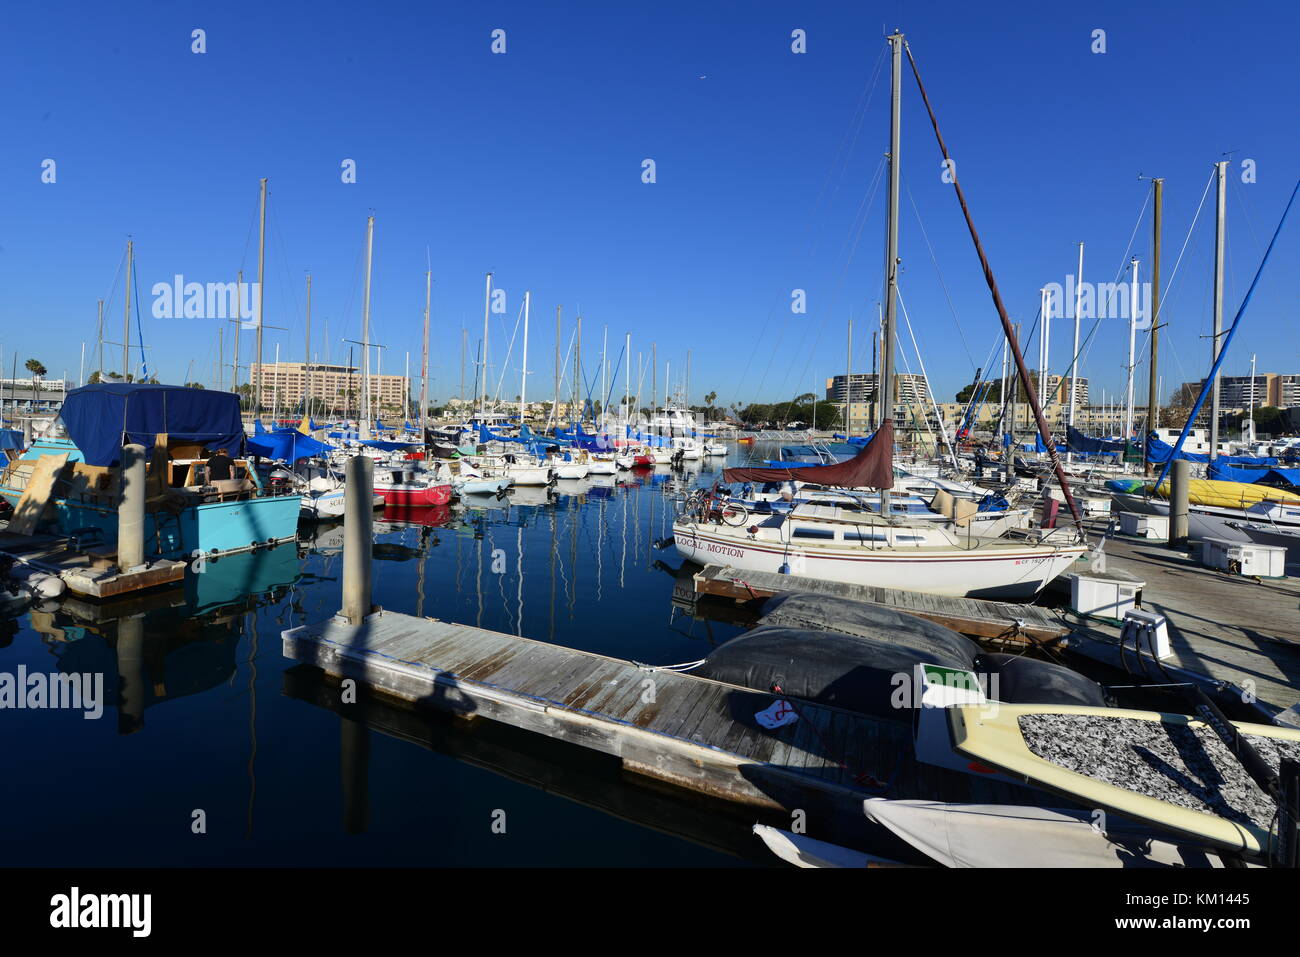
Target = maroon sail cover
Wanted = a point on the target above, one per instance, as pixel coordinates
(873, 467)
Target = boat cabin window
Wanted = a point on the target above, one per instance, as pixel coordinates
(862, 535)
(824, 534)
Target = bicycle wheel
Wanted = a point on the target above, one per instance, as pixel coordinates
(734, 514)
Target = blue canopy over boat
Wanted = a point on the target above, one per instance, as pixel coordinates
(103, 417)
(1089, 445)
(388, 446)
(1286, 478)
(287, 445)
(10, 439)
(1159, 452)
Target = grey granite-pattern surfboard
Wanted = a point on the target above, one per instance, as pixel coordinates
(1185, 766)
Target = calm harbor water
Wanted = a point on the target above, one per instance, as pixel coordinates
(215, 750)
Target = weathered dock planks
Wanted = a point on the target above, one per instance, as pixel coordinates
(692, 732)
(1225, 627)
(1013, 623)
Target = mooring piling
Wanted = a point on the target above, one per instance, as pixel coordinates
(358, 528)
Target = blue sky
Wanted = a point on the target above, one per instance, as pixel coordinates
(529, 164)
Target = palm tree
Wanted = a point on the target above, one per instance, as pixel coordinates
(37, 370)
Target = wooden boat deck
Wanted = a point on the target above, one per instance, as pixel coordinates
(1013, 623)
(1226, 627)
(693, 732)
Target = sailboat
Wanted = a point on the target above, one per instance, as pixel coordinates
(885, 550)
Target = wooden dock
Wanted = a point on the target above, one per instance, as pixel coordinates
(688, 731)
(986, 620)
(87, 573)
(1225, 627)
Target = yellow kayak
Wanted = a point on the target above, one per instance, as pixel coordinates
(1229, 494)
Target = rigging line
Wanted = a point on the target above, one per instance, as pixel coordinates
(1021, 369)
(861, 217)
(808, 222)
(248, 239)
(942, 285)
(505, 363)
(1232, 331)
(925, 377)
(1169, 293)
(139, 327)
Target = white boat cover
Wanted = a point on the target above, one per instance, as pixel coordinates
(803, 851)
(998, 835)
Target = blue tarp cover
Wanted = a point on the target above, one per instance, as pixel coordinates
(389, 446)
(1159, 451)
(287, 445)
(1088, 445)
(11, 439)
(101, 418)
(1289, 478)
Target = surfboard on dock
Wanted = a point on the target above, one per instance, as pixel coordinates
(1168, 770)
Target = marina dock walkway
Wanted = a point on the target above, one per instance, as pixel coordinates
(692, 732)
(990, 620)
(1234, 629)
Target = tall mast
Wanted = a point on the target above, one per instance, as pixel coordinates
(688, 381)
(604, 368)
(523, 368)
(239, 321)
(577, 376)
(1074, 356)
(627, 380)
(848, 383)
(487, 305)
(1044, 326)
(101, 340)
(306, 367)
(424, 360)
(555, 409)
(1252, 397)
(464, 344)
(126, 318)
(1153, 382)
(889, 335)
(261, 275)
(366, 419)
(654, 379)
(1220, 226)
(1132, 345)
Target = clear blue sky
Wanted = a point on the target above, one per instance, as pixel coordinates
(529, 164)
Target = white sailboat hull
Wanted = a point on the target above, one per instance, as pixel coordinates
(1001, 572)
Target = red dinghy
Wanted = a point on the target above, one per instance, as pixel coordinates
(405, 487)
(413, 493)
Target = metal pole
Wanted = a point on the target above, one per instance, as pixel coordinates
(367, 419)
(1220, 225)
(1153, 383)
(1132, 346)
(487, 305)
(126, 319)
(523, 368)
(261, 274)
(1074, 360)
(306, 361)
(358, 525)
(559, 331)
(848, 383)
(424, 359)
(889, 334)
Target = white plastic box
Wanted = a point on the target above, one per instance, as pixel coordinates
(1146, 631)
(1103, 596)
(1144, 526)
(1244, 558)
